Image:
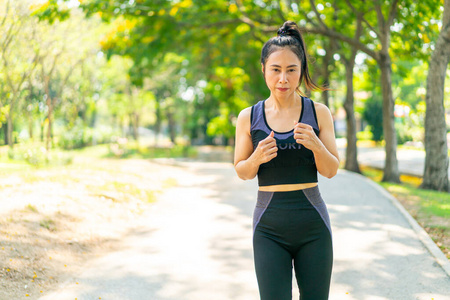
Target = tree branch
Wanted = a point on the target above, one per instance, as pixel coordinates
(380, 17)
(313, 5)
(361, 14)
(336, 35)
(280, 12)
(392, 13)
(6, 14)
(305, 15)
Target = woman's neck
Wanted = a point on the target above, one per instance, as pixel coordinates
(284, 103)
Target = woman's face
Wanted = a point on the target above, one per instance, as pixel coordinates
(282, 72)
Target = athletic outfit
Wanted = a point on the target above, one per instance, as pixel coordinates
(290, 229)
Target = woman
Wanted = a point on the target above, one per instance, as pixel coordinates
(285, 140)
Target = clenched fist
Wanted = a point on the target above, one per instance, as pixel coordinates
(305, 135)
(266, 149)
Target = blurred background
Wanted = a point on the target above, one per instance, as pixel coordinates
(97, 97)
(154, 75)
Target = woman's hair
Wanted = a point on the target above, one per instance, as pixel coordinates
(289, 36)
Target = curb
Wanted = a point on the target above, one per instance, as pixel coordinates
(426, 240)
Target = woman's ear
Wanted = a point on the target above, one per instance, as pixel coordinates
(262, 68)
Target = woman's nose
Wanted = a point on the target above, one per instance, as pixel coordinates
(283, 77)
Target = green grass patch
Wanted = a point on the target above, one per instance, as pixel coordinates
(430, 208)
(135, 150)
(48, 224)
(96, 151)
(170, 182)
(31, 208)
(122, 192)
(430, 202)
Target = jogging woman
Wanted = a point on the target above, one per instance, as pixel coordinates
(285, 140)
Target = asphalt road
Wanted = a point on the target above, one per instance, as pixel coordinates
(197, 246)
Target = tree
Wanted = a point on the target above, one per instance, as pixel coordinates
(18, 59)
(351, 152)
(436, 163)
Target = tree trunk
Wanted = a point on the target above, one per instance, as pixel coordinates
(328, 58)
(351, 153)
(436, 161)
(30, 124)
(391, 172)
(171, 126)
(42, 130)
(5, 132)
(158, 119)
(49, 127)
(134, 120)
(10, 121)
(10, 130)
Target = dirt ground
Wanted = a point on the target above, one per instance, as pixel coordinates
(53, 221)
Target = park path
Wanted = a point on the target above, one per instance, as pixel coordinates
(196, 245)
(410, 161)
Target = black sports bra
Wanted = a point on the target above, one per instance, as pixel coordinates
(294, 163)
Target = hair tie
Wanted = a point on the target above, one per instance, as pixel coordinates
(282, 32)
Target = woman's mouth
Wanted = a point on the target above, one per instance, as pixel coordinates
(283, 90)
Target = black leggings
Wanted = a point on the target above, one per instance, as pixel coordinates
(292, 229)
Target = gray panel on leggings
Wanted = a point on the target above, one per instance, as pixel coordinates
(262, 203)
(314, 197)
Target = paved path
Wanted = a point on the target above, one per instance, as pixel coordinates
(197, 246)
(410, 162)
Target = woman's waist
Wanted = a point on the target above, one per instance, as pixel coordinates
(287, 187)
(286, 177)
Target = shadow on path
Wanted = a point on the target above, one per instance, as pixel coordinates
(197, 245)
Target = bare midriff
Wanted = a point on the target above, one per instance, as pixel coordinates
(287, 187)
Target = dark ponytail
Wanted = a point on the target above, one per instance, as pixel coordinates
(289, 36)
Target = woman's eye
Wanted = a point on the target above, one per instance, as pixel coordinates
(292, 70)
(275, 70)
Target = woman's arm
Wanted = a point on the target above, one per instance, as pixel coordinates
(247, 161)
(324, 146)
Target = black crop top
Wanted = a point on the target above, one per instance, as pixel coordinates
(294, 163)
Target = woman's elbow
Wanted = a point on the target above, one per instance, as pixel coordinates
(329, 173)
(243, 176)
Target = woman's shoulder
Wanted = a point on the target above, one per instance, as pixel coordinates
(324, 117)
(321, 108)
(246, 112)
(243, 119)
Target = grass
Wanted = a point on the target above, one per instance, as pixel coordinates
(122, 192)
(430, 208)
(48, 224)
(97, 195)
(23, 156)
(135, 150)
(31, 208)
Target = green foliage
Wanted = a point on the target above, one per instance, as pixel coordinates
(373, 114)
(48, 224)
(212, 48)
(31, 208)
(51, 10)
(36, 155)
(365, 135)
(403, 132)
(80, 136)
(122, 148)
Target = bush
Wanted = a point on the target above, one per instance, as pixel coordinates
(36, 155)
(373, 114)
(81, 136)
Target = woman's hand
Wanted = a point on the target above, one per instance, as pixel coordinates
(305, 135)
(266, 149)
